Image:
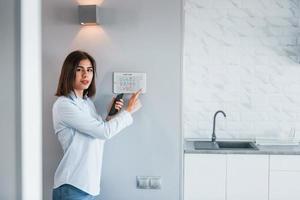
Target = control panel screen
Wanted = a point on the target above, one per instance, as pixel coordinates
(129, 82)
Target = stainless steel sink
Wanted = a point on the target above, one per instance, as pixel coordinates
(224, 145)
(236, 145)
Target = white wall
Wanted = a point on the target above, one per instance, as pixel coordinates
(241, 56)
(31, 100)
(135, 35)
(9, 101)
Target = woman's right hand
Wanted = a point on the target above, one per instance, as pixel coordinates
(134, 103)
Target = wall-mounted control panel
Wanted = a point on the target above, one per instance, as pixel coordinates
(129, 82)
(148, 182)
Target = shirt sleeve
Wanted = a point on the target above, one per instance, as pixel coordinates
(72, 116)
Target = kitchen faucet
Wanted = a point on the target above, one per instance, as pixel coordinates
(213, 138)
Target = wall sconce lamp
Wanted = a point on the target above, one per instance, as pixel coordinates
(89, 14)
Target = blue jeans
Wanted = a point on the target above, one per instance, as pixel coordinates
(69, 192)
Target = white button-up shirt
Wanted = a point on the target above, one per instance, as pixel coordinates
(82, 133)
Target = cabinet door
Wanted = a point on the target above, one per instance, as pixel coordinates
(284, 185)
(247, 177)
(284, 177)
(204, 176)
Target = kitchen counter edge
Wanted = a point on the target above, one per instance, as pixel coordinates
(262, 149)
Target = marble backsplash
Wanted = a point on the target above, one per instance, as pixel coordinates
(242, 57)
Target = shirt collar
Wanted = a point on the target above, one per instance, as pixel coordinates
(73, 96)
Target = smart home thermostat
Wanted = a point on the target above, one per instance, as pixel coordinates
(129, 82)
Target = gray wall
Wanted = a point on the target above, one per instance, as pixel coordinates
(135, 35)
(9, 100)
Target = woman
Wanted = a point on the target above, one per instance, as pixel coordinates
(81, 131)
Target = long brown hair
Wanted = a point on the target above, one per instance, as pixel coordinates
(68, 73)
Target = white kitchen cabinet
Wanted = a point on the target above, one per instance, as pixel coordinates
(284, 177)
(226, 177)
(204, 176)
(247, 177)
(241, 176)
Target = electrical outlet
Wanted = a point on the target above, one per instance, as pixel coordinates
(155, 182)
(148, 182)
(142, 182)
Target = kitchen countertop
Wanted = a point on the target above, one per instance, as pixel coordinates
(262, 149)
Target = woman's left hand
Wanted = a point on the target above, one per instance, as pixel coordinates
(119, 104)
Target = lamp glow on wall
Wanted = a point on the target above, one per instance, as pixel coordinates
(89, 14)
